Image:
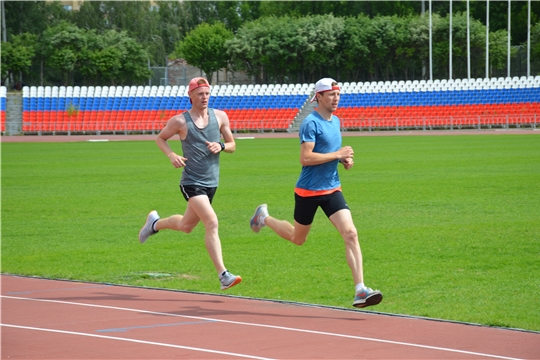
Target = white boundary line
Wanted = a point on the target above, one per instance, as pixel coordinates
(136, 341)
(264, 326)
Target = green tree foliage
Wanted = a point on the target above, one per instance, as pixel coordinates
(33, 16)
(171, 15)
(136, 18)
(535, 41)
(339, 8)
(17, 55)
(63, 48)
(498, 51)
(356, 50)
(204, 47)
(389, 35)
(107, 42)
(321, 35)
(111, 58)
(287, 49)
(246, 49)
(114, 58)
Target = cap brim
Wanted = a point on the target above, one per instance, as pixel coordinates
(200, 86)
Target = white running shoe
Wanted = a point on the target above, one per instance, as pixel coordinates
(147, 229)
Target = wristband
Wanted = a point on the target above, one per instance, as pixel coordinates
(222, 145)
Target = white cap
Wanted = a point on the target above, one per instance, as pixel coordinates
(324, 85)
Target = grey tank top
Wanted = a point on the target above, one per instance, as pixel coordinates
(202, 167)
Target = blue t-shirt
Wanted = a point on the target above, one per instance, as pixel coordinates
(327, 138)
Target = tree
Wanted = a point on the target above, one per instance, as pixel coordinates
(33, 16)
(114, 58)
(109, 58)
(171, 15)
(134, 69)
(319, 55)
(204, 47)
(63, 46)
(280, 49)
(388, 43)
(535, 41)
(17, 55)
(339, 8)
(246, 48)
(498, 50)
(279, 45)
(419, 42)
(355, 45)
(137, 18)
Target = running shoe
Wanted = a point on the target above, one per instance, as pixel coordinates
(256, 221)
(228, 280)
(147, 229)
(367, 297)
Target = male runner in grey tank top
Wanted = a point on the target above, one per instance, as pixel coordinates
(200, 130)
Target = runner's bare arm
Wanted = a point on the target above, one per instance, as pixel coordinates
(175, 125)
(309, 158)
(226, 133)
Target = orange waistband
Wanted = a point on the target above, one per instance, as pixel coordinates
(308, 193)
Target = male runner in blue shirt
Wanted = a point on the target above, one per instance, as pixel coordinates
(319, 185)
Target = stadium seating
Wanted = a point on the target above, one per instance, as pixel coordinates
(450, 104)
(459, 103)
(127, 109)
(260, 107)
(3, 94)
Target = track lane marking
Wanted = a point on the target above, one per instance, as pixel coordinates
(56, 290)
(136, 341)
(272, 327)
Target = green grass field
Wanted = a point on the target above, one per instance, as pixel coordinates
(449, 225)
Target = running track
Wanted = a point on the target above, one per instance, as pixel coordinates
(52, 319)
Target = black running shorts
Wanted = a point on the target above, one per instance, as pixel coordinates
(306, 207)
(190, 191)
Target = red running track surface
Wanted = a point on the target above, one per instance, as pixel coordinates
(51, 319)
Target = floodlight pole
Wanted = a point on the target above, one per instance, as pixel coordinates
(430, 44)
(529, 39)
(4, 36)
(508, 49)
(487, 39)
(468, 43)
(450, 46)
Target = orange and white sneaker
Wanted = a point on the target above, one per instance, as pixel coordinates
(367, 297)
(228, 280)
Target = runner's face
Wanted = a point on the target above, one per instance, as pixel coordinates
(200, 97)
(329, 100)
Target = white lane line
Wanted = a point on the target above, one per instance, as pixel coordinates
(56, 290)
(136, 341)
(272, 327)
